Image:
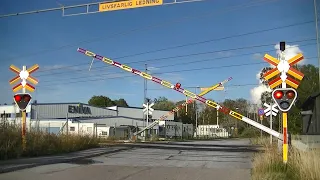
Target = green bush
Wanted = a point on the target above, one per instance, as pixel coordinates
(250, 132)
(40, 143)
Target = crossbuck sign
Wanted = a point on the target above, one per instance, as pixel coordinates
(271, 109)
(147, 108)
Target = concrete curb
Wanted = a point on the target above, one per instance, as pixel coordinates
(55, 161)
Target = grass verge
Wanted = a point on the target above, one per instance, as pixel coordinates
(268, 165)
(40, 143)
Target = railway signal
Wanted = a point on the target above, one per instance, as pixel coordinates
(22, 100)
(284, 98)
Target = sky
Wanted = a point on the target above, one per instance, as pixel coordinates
(136, 36)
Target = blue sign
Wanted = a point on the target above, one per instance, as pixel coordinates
(261, 111)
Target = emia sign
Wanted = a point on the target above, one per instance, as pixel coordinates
(79, 109)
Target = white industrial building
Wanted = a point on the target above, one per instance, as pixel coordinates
(211, 131)
(78, 118)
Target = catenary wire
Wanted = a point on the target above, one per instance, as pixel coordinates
(126, 76)
(194, 54)
(112, 73)
(189, 44)
(175, 21)
(184, 70)
(184, 63)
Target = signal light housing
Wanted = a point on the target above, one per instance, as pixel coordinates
(22, 100)
(278, 94)
(284, 98)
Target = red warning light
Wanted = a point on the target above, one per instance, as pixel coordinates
(278, 94)
(17, 98)
(291, 94)
(178, 85)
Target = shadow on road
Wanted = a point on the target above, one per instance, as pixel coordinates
(212, 145)
(192, 147)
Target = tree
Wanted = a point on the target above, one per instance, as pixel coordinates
(266, 98)
(308, 85)
(121, 102)
(189, 117)
(101, 101)
(162, 103)
(263, 71)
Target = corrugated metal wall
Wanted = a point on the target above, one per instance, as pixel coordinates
(138, 113)
(47, 111)
(116, 121)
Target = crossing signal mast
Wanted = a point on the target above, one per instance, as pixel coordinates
(22, 100)
(284, 97)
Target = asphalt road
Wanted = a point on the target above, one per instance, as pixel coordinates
(199, 160)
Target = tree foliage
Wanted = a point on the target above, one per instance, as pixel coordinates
(121, 102)
(104, 101)
(162, 103)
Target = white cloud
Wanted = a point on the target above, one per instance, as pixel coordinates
(257, 56)
(290, 51)
(151, 68)
(257, 91)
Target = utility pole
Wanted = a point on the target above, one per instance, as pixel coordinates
(317, 34)
(196, 111)
(147, 117)
(144, 93)
(217, 118)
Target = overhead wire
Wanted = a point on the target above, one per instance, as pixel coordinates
(175, 21)
(184, 70)
(188, 44)
(184, 63)
(180, 56)
(132, 75)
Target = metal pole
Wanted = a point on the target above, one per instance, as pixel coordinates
(147, 117)
(67, 125)
(24, 117)
(24, 142)
(317, 34)
(217, 118)
(186, 105)
(261, 129)
(144, 93)
(271, 123)
(284, 119)
(285, 143)
(195, 107)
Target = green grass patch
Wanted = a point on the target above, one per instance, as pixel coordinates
(268, 165)
(40, 143)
